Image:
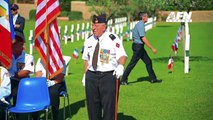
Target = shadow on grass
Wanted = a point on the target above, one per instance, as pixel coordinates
(181, 59)
(70, 73)
(141, 79)
(74, 107)
(164, 26)
(121, 116)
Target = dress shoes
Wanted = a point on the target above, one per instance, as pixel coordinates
(155, 81)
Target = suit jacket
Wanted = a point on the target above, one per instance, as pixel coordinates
(21, 21)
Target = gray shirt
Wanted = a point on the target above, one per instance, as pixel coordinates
(139, 32)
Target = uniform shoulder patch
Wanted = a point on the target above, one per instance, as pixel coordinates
(112, 36)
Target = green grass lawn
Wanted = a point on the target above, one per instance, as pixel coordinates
(179, 97)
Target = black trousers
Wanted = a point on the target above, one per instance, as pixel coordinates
(101, 95)
(139, 53)
(14, 88)
(54, 98)
(3, 108)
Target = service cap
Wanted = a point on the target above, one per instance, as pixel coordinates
(99, 19)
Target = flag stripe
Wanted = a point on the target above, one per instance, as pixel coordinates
(75, 53)
(40, 18)
(53, 10)
(56, 43)
(46, 17)
(3, 8)
(6, 32)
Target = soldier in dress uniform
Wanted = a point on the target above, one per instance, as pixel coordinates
(104, 57)
(22, 64)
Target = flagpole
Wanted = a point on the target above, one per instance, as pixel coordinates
(47, 50)
(47, 44)
(173, 76)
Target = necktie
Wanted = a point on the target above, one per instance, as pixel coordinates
(95, 56)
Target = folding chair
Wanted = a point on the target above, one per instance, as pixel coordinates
(65, 95)
(33, 96)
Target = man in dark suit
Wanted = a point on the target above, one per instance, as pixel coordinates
(18, 20)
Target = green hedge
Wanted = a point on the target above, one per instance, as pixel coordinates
(75, 15)
(65, 5)
(64, 13)
(32, 14)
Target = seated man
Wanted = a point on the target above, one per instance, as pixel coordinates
(56, 84)
(22, 64)
(5, 90)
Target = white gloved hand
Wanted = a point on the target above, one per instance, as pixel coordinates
(83, 80)
(50, 83)
(4, 101)
(119, 71)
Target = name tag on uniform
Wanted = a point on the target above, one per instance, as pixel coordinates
(104, 56)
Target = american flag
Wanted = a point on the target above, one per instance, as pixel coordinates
(47, 36)
(6, 34)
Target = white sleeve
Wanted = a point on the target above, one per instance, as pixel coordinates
(120, 51)
(85, 53)
(39, 66)
(5, 86)
(29, 63)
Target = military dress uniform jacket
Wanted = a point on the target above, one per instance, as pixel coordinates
(23, 62)
(110, 50)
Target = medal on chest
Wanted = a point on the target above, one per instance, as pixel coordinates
(104, 56)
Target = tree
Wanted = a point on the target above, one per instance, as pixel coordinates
(65, 5)
(130, 8)
(109, 7)
(187, 5)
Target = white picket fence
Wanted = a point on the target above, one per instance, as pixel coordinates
(73, 32)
